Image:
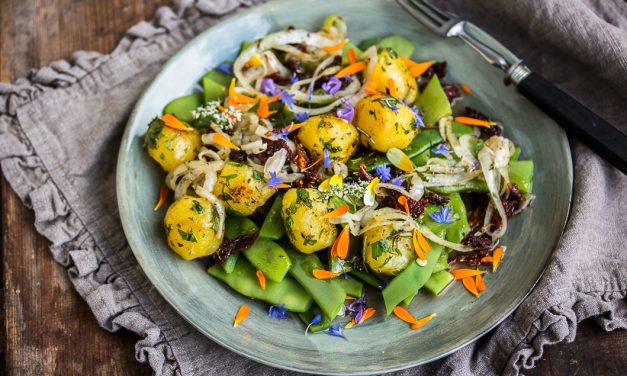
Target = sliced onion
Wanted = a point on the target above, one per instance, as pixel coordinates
(493, 180)
(275, 163)
(462, 152)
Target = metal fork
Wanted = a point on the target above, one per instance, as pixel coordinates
(574, 117)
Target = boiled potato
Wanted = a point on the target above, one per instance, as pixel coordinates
(191, 225)
(170, 147)
(394, 68)
(241, 188)
(334, 134)
(302, 210)
(387, 121)
(388, 251)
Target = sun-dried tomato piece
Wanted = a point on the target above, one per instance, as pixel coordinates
(363, 174)
(273, 147)
(233, 246)
(434, 199)
(238, 156)
(451, 92)
(470, 258)
(478, 241)
(438, 68)
(513, 201)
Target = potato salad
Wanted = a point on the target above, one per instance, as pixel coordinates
(323, 174)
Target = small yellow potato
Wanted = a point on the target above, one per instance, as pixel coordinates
(241, 188)
(334, 134)
(387, 122)
(191, 226)
(302, 212)
(170, 147)
(394, 68)
(388, 251)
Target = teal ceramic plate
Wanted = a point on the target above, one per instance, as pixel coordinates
(379, 345)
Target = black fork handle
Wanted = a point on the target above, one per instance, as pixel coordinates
(577, 120)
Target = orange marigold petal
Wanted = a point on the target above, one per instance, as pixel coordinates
(368, 313)
(404, 315)
(497, 255)
(264, 109)
(403, 201)
(420, 323)
(472, 121)
(323, 274)
(351, 69)
(342, 243)
(423, 242)
(242, 313)
(469, 284)
(487, 259)
(163, 195)
(292, 127)
(335, 47)
(262, 279)
(351, 56)
(463, 273)
(465, 88)
(174, 123)
(223, 140)
(480, 283)
(341, 210)
(350, 324)
(417, 69)
(392, 88)
(417, 247)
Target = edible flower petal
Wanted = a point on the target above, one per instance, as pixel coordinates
(222, 140)
(269, 87)
(225, 68)
(368, 313)
(441, 149)
(335, 47)
(472, 121)
(283, 133)
(332, 86)
(463, 273)
(469, 284)
(417, 69)
(294, 79)
(369, 194)
(323, 274)
(418, 248)
(174, 123)
(340, 211)
(337, 180)
(236, 99)
(347, 111)
(392, 88)
(275, 182)
(418, 118)
(317, 319)
(422, 241)
(301, 117)
(163, 195)
(398, 181)
(351, 69)
(404, 315)
(264, 110)
(420, 323)
(497, 255)
(292, 127)
(403, 201)
(480, 283)
(335, 330)
(262, 279)
(399, 159)
(374, 80)
(465, 88)
(340, 246)
(351, 56)
(443, 216)
(242, 313)
(328, 162)
(383, 172)
(287, 98)
(278, 312)
(357, 307)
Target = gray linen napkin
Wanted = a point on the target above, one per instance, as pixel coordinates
(60, 130)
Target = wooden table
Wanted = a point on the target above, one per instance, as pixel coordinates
(48, 329)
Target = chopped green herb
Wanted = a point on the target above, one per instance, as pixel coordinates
(189, 236)
(153, 133)
(379, 247)
(303, 196)
(257, 175)
(215, 219)
(197, 207)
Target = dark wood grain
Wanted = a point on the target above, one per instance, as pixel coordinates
(48, 329)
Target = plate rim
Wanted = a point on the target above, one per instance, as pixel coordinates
(121, 168)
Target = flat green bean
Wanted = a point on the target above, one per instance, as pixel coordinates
(270, 258)
(306, 318)
(368, 278)
(272, 227)
(352, 287)
(439, 281)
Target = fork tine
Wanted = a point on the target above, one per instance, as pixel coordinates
(428, 11)
(429, 22)
(444, 15)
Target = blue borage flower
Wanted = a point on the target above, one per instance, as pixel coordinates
(268, 87)
(419, 121)
(441, 149)
(476, 165)
(335, 330)
(283, 133)
(294, 78)
(317, 319)
(287, 98)
(277, 312)
(356, 307)
(345, 275)
(328, 162)
(383, 172)
(274, 181)
(301, 117)
(225, 68)
(442, 216)
(398, 181)
(332, 86)
(346, 112)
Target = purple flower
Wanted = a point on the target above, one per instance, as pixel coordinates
(398, 181)
(356, 308)
(345, 275)
(311, 89)
(418, 121)
(441, 149)
(335, 330)
(277, 312)
(301, 117)
(332, 86)
(287, 98)
(268, 87)
(328, 162)
(476, 165)
(274, 181)
(317, 319)
(225, 68)
(443, 216)
(383, 172)
(294, 78)
(347, 112)
(283, 133)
